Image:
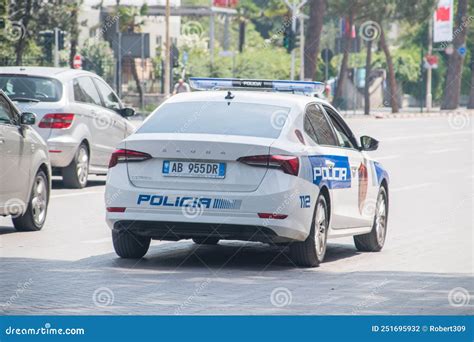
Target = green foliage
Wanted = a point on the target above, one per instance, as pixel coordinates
(98, 58)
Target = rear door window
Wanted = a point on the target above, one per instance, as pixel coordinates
(111, 100)
(85, 91)
(324, 132)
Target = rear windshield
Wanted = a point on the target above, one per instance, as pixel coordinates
(24, 88)
(235, 118)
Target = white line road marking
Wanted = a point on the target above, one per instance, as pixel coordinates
(77, 194)
(428, 136)
(411, 187)
(442, 150)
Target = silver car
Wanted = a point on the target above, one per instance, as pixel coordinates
(78, 115)
(25, 172)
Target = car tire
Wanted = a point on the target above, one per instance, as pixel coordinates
(75, 174)
(35, 215)
(310, 253)
(130, 246)
(206, 240)
(375, 240)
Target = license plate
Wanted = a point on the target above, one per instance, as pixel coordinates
(176, 168)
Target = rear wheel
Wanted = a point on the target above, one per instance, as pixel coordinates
(130, 246)
(374, 241)
(75, 174)
(206, 240)
(35, 215)
(310, 253)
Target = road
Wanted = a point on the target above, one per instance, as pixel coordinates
(426, 266)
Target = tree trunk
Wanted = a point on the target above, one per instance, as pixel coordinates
(392, 81)
(74, 34)
(337, 100)
(313, 37)
(20, 46)
(133, 66)
(452, 87)
(368, 63)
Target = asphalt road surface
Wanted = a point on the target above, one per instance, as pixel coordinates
(426, 266)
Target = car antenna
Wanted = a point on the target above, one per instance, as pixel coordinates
(229, 96)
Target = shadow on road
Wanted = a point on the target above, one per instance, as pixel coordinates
(7, 230)
(58, 183)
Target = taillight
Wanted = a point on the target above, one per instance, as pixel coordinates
(123, 155)
(116, 209)
(288, 164)
(57, 120)
(272, 216)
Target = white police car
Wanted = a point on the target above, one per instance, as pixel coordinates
(274, 167)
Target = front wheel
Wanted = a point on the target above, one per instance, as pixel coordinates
(375, 240)
(35, 215)
(130, 246)
(75, 174)
(310, 253)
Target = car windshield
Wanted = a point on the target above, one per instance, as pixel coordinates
(31, 88)
(234, 118)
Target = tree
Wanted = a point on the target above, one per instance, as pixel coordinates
(317, 11)
(452, 88)
(347, 42)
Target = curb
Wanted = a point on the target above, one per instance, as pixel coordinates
(409, 115)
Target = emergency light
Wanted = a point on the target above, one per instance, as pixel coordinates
(297, 87)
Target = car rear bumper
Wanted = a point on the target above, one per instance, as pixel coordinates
(61, 153)
(174, 231)
(162, 215)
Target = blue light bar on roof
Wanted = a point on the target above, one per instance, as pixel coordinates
(298, 87)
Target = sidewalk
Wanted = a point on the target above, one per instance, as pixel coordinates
(385, 113)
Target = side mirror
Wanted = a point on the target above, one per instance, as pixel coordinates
(127, 112)
(27, 118)
(368, 143)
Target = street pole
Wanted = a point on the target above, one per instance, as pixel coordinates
(429, 95)
(294, 7)
(302, 43)
(119, 53)
(56, 47)
(167, 50)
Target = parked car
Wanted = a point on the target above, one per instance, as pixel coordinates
(25, 171)
(79, 116)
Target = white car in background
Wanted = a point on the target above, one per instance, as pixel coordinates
(78, 115)
(25, 172)
(246, 165)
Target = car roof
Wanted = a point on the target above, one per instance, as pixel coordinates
(269, 98)
(58, 73)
